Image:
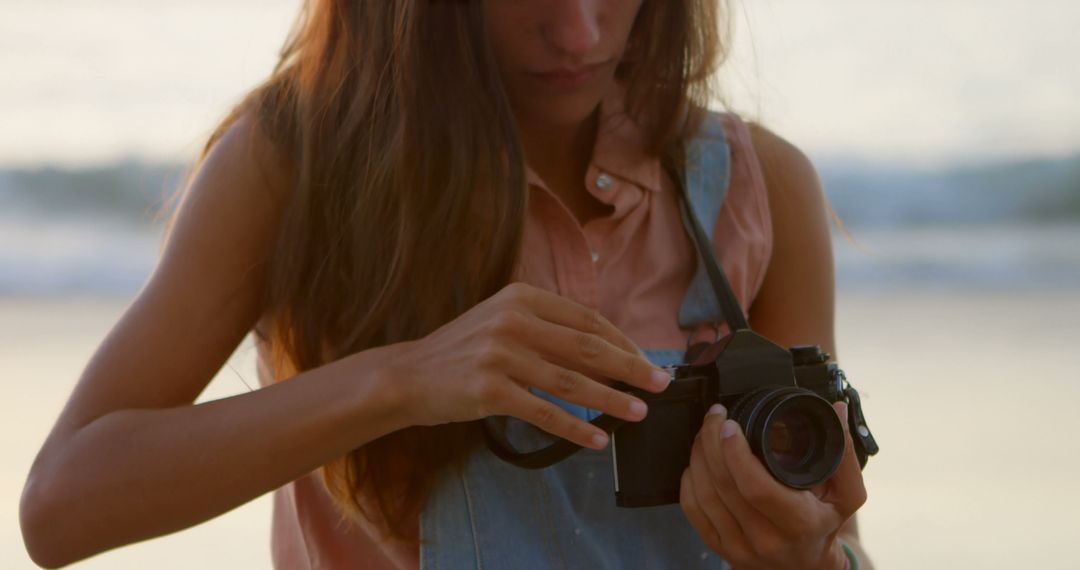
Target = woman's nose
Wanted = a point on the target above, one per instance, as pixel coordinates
(573, 26)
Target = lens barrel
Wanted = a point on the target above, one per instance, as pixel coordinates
(793, 431)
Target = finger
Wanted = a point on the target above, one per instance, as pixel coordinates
(562, 311)
(846, 489)
(695, 515)
(575, 387)
(734, 543)
(559, 310)
(515, 401)
(790, 510)
(592, 354)
(755, 525)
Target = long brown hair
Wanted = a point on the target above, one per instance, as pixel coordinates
(408, 193)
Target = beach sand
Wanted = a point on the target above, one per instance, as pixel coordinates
(971, 396)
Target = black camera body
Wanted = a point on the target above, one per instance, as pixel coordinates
(781, 399)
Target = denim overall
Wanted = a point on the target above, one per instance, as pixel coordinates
(498, 516)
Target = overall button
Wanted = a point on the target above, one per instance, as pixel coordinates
(605, 182)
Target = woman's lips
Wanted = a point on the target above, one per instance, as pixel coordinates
(570, 78)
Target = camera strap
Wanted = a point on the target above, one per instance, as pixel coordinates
(729, 304)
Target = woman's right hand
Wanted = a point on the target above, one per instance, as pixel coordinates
(483, 362)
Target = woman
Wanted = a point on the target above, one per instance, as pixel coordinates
(399, 214)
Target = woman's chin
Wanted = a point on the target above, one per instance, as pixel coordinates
(564, 112)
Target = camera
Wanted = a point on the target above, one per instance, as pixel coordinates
(781, 398)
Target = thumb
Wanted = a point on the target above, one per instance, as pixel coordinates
(716, 415)
(714, 418)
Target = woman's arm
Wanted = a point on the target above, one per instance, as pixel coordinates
(796, 304)
(129, 457)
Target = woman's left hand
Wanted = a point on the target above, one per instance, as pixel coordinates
(753, 520)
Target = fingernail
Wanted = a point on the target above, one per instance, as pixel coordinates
(661, 378)
(638, 409)
(600, 440)
(717, 410)
(729, 429)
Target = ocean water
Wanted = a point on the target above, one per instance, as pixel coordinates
(74, 257)
(97, 230)
(1016, 257)
(46, 256)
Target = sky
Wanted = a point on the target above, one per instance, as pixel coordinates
(914, 82)
(925, 81)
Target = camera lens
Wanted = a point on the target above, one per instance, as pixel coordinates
(792, 438)
(794, 432)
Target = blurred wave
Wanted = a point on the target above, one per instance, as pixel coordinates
(996, 226)
(82, 231)
(1023, 191)
(1020, 256)
(999, 226)
(127, 190)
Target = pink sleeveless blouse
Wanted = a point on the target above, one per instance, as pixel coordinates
(634, 266)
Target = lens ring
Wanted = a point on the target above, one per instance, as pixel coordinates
(814, 444)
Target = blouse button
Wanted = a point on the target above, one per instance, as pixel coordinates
(595, 255)
(604, 182)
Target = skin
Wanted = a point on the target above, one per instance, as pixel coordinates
(128, 457)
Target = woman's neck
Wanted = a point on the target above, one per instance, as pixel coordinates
(559, 154)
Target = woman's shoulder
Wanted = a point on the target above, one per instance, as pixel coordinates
(226, 218)
(795, 302)
(251, 155)
(770, 162)
(237, 196)
(786, 169)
